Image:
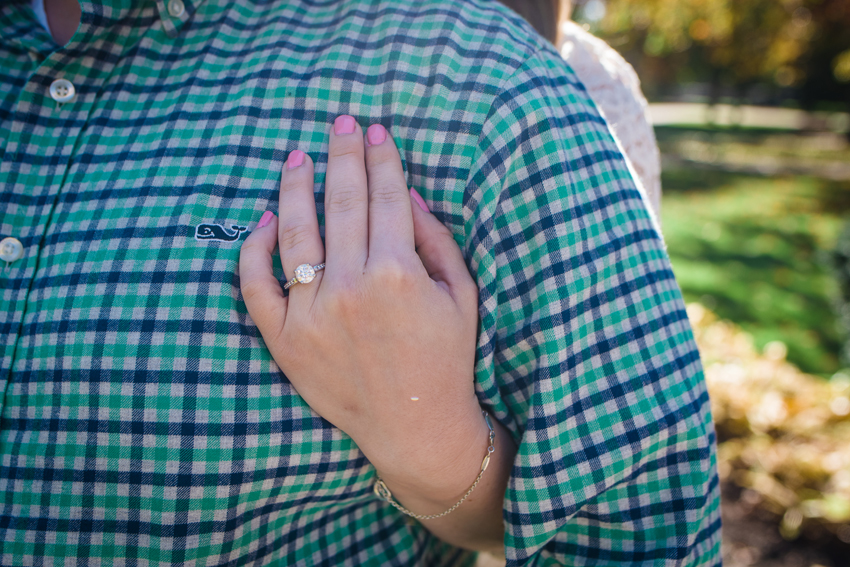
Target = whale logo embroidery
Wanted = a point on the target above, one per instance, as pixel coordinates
(218, 232)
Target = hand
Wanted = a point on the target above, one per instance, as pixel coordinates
(382, 342)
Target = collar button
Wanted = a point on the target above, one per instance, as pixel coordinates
(176, 8)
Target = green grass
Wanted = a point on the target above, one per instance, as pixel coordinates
(755, 250)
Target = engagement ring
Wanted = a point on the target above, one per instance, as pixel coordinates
(305, 273)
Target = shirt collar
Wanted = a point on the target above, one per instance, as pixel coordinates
(18, 27)
(173, 13)
(104, 12)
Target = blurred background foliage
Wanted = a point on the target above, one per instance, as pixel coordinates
(752, 215)
(759, 249)
(779, 51)
(783, 455)
(756, 222)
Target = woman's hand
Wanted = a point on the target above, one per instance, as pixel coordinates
(382, 342)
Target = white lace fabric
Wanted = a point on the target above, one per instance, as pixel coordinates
(615, 88)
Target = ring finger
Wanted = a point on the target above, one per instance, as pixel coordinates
(298, 231)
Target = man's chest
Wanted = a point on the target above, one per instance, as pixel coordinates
(127, 346)
(127, 350)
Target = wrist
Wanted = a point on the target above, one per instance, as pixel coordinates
(442, 482)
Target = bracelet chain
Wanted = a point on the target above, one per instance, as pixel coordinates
(383, 492)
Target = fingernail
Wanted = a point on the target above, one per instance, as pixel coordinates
(265, 219)
(419, 200)
(376, 134)
(344, 125)
(295, 159)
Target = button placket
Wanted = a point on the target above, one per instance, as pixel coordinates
(62, 90)
(41, 136)
(11, 250)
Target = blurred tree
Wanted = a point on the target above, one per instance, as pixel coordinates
(733, 42)
(828, 62)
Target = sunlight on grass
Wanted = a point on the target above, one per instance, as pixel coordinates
(755, 250)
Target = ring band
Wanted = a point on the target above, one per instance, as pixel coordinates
(305, 273)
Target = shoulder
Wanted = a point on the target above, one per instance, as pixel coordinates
(474, 37)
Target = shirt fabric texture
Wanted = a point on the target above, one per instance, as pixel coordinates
(144, 421)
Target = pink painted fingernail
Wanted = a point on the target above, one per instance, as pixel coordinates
(376, 134)
(419, 200)
(296, 158)
(344, 125)
(265, 219)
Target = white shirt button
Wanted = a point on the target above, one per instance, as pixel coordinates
(11, 249)
(62, 90)
(176, 8)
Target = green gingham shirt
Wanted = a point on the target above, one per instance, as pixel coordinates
(144, 422)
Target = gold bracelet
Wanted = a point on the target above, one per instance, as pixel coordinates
(383, 492)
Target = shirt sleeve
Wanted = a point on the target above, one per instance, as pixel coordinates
(585, 351)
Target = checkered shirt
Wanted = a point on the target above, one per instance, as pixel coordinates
(144, 422)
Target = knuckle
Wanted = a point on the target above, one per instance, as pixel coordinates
(392, 274)
(293, 235)
(344, 300)
(344, 199)
(344, 309)
(387, 194)
(291, 185)
(345, 149)
(382, 156)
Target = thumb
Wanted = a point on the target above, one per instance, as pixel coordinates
(440, 254)
(260, 289)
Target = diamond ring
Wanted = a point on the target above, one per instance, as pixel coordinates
(305, 273)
